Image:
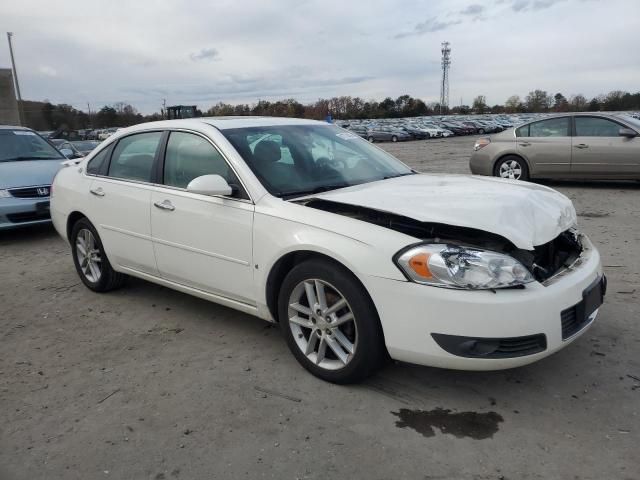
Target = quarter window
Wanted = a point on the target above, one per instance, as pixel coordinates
(554, 127)
(596, 127)
(522, 131)
(134, 155)
(96, 164)
(190, 156)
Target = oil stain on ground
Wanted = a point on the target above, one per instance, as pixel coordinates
(461, 424)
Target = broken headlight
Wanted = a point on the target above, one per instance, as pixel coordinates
(454, 266)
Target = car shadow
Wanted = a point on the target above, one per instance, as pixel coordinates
(595, 184)
(28, 233)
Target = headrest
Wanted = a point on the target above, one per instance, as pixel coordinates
(267, 151)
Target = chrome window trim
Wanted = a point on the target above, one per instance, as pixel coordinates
(152, 184)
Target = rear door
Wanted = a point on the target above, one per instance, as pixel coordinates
(546, 145)
(599, 150)
(119, 200)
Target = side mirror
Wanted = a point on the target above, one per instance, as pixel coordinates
(627, 132)
(67, 152)
(210, 185)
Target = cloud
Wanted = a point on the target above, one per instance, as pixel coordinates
(533, 5)
(48, 71)
(430, 25)
(474, 9)
(204, 54)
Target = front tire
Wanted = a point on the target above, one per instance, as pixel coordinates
(90, 259)
(370, 139)
(329, 322)
(394, 138)
(512, 167)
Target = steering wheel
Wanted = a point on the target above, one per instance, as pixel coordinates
(335, 164)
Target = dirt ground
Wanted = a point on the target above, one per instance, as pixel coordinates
(148, 383)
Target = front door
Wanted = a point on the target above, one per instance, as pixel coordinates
(202, 241)
(599, 150)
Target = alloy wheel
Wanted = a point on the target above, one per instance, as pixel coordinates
(511, 169)
(88, 254)
(323, 324)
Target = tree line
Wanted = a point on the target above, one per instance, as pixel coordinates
(47, 116)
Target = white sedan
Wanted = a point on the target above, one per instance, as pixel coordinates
(353, 253)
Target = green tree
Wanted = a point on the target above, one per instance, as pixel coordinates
(560, 103)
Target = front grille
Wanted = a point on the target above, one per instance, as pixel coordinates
(28, 216)
(480, 347)
(552, 257)
(41, 191)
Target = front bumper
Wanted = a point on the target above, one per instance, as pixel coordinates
(23, 212)
(411, 313)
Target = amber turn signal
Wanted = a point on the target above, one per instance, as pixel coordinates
(420, 264)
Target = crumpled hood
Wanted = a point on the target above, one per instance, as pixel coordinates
(524, 213)
(26, 173)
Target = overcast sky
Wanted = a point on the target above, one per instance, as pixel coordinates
(201, 52)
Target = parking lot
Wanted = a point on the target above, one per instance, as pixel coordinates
(146, 382)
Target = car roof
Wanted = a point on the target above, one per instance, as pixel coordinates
(12, 127)
(225, 123)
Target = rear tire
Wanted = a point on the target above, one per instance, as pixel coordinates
(90, 259)
(342, 346)
(370, 139)
(394, 138)
(512, 167)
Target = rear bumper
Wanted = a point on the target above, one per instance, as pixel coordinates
(23, 212)
(411, 314)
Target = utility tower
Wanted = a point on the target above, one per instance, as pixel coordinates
(444, 84)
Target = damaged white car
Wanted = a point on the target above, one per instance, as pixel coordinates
(354, 254)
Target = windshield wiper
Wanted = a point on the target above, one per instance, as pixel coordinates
(311, 191)
(399, 175)
(30, 157)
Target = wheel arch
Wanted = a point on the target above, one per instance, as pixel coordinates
(72, 218)
(287, 262)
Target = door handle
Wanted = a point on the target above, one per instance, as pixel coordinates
(581, 145)
(165, 205)
(98, 192)
(524, 144)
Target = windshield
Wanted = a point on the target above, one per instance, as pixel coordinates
(295, 160)
(25, 145)
(634, 122)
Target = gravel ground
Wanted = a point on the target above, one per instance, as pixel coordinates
(148, 383)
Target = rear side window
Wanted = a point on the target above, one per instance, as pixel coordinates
(97, 163)
(554, 127)
(133, 157)
(596, 127)
(189, 156)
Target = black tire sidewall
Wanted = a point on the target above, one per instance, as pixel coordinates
(106, 273)
(524, 176)
(370, 348)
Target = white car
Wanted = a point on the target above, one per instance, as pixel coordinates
(353, 253)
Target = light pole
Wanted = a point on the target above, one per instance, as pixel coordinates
(15, 79)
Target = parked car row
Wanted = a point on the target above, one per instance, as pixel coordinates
(422, 128)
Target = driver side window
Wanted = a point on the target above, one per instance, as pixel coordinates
(189, 156)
